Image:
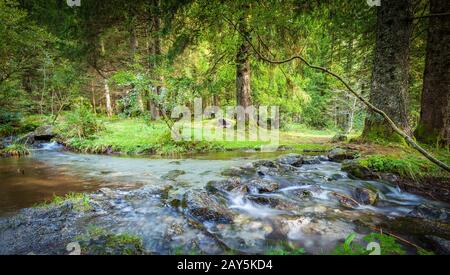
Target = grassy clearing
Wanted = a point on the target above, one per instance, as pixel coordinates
(136, 136)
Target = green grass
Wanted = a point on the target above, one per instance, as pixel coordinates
(15, 150)
(137, 136)
(80, 201)
(407, 163)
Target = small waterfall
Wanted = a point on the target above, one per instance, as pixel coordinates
(50, 146)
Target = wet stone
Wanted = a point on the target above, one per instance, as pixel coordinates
(365, 196)
(427, 211)
(206, 208)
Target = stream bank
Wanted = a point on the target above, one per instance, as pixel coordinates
(215, 204)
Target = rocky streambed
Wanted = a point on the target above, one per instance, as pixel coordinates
(239, 205)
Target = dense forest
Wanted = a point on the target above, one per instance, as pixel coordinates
(365, 84)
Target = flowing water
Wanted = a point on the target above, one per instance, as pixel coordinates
(317, 224)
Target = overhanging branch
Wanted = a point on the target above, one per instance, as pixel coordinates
(391, 123)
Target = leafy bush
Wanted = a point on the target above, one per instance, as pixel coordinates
(80, 123)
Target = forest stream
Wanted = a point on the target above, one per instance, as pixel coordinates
(244, 201)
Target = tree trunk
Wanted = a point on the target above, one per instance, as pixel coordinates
(434, 124)
(155, 52)
(133, 48)
(243, 91)
(389, 87)
(109, 110)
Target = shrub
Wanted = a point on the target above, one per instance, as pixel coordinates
(80, 123)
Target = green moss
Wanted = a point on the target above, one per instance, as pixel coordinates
(284, 248)
(407, 164)
(382, 134)
(80, 201)
(429, 137)
(100, 241)
(408, 167)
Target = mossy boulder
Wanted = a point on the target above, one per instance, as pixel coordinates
(365, 196)
(204, 207)
(339, 154)
(356, 170)
(100, 241)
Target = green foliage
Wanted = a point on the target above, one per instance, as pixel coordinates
(100, 241)
(79, 123)
(408, 167)
(350, 248)
(388, 245)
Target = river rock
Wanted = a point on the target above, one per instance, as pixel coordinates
(356, 170)
(442, 246)
(238, 171)
(273, 202)
(206, 208)
(173, 174)
(263, 186)
(427, 211)
(311, 160)
(295, 160)
(365, 196)
(42, 133)
(339, 154)
(223, 185)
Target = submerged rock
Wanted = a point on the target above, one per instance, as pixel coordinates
(206, 208)
(365, 196)
(173, 174)
(273, 202)
(295, 160)
(263, 186)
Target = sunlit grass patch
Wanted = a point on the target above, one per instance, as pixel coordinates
(80, 201)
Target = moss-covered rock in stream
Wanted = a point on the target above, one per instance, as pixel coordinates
(204, 207)
(365, 196)
(357, 170)
(99, 241)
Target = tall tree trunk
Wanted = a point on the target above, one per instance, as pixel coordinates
(434, 124)
(155, 53)
(243, 90)
(389, 87)
(133, 48)
(109, 110)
